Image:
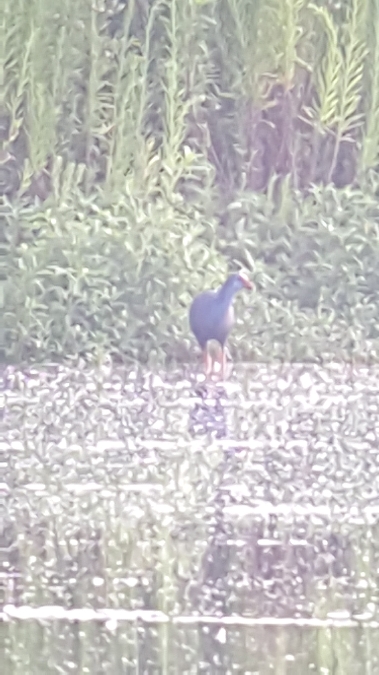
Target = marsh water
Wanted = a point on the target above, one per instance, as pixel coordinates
(156, 523)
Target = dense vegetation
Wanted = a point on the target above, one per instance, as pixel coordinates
(148, 146)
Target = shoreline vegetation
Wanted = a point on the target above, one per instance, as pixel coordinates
(148, 149)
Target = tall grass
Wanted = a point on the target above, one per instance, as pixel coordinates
(171, 91)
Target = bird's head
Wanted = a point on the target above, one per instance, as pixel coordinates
(239, 281)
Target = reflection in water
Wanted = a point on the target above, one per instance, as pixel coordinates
(140, 647)
(244, 512)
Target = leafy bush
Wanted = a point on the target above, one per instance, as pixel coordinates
(316, 267)
(94, 276)
(91, 275)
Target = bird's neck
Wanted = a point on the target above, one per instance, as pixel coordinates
(226, 295)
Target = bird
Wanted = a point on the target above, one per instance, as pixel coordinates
(211, 317)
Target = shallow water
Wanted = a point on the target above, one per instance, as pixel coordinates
(159, 524)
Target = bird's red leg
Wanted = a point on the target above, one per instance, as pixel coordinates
(207, 361)
(223, 363)
(221, 357)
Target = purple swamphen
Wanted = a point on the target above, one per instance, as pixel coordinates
(211, 317)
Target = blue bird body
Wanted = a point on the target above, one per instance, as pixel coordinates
(211, 316)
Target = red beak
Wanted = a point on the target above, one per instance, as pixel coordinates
(246, 282)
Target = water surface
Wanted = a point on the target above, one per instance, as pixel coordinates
(158, 524)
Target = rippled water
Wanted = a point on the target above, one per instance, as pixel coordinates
(158, 524)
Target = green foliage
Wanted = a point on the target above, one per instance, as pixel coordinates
(119, 87)
(117, 277)
(128, 129)
(340, 77)
(370, 141)
(94, 276)
(314, 262)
